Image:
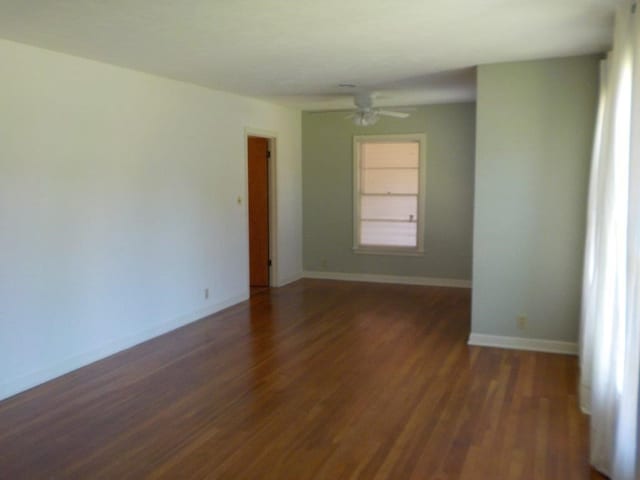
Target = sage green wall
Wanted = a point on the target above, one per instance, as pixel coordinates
(535, 123)
(328, 188)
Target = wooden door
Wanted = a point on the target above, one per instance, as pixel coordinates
(258, 168)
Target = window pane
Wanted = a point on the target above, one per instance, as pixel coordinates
(384, 155)
(390, 181)
(389, 207)
(393, 234)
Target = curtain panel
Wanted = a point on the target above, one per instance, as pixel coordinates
(610, 324)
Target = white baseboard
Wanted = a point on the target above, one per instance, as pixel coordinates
(288, 280)
(518, 343)
(25, 382)
(377, 278)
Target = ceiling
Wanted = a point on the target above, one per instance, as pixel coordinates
(297, 52)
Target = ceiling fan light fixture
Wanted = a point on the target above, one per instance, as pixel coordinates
(365, 119)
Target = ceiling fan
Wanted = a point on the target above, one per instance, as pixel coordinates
(366, 114)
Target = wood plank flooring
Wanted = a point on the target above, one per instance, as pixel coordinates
(319, 379)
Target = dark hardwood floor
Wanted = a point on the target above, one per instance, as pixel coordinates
(318, 379)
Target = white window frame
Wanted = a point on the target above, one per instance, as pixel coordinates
(421, 139)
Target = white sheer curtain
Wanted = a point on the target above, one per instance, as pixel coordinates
(610, 332)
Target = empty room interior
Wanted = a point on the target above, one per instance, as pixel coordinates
(319, 240)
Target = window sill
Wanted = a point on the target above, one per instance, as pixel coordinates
(388, 251)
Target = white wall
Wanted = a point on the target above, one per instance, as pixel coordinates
(118, 207)
(535, 123)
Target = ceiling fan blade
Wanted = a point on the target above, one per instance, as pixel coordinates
(392, 114)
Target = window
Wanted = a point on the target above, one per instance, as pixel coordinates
(389, 174)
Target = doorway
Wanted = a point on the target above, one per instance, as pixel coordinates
(258, 170)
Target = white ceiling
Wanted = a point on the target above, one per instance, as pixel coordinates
(296, 52)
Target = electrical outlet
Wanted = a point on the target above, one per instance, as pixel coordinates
(206, 293)
(522, 322)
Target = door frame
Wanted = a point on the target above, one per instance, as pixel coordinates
(272, 138)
